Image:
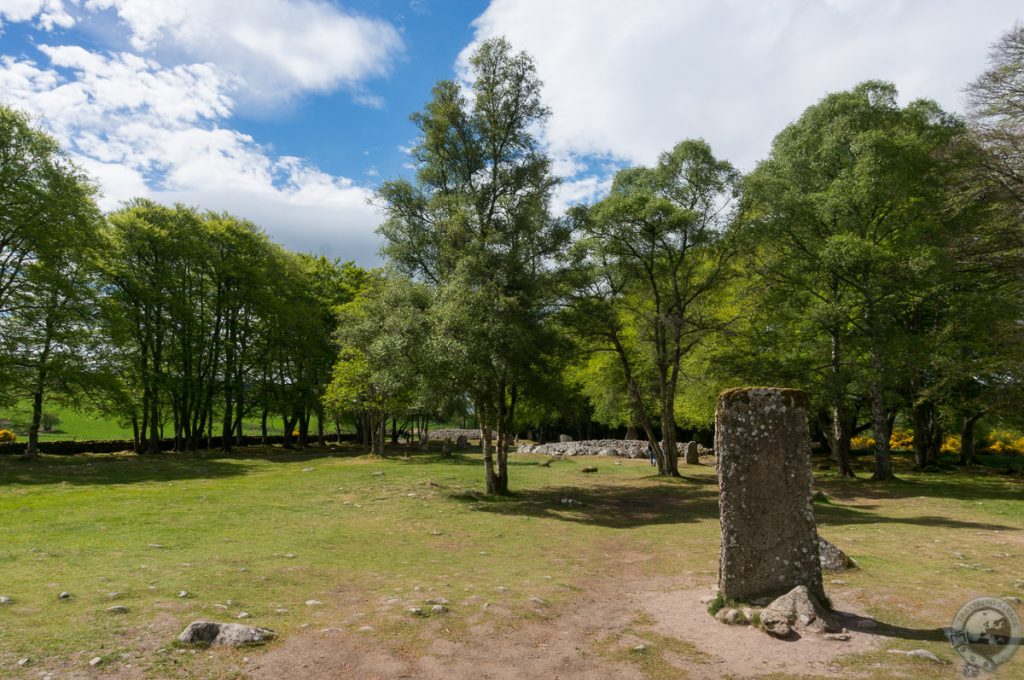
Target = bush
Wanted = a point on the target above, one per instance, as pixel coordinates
(6, 437)
(1003, 442)
(49, 421)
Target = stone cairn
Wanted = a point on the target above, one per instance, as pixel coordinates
(621, 448)
(769, 538)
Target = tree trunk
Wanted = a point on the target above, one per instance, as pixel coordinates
(668, 432)
(926, 432)
(32, 449)
(880, 425)
(967, 439)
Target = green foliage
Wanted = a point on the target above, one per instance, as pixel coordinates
(475, 226)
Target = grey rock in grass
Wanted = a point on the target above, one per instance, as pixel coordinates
(832, 558)
(64, 596)
(919, 653)
(313, 603)
(183, 593)
(4, 599)
(729, 615)
(117, 609)
(226, 634)
(797, 610)
(691, 453)
(95, 661)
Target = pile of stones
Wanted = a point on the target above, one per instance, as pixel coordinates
(622, 448)
(453, 435)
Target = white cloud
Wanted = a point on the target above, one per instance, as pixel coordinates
(277, 48)
(631, 79)
(49, 14)
(273, 49)
(144, 130)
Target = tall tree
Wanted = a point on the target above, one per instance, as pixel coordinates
(655, 252)
(475, 225)
(854, 206)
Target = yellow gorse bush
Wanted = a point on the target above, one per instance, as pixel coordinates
(7, 436)
(951, 443)
(862, 442)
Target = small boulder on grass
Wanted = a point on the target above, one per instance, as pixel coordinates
(226, 634)
(832, 558)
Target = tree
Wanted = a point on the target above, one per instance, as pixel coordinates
(385, 366)
(654, 253)
(42, 193)
(996, 109)
(854, 207)
(48, 228)
(475, 226)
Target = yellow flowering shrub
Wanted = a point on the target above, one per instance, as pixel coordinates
(1003, 442)
(901, 439)
(862, 442)
(7, 436)
(951, 443)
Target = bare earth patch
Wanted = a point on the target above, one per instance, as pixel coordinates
(610, 631)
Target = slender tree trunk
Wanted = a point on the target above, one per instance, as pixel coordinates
(668, 432)
(490, 475)
(840, 433)
(32, 449)
(303, 429)
(967, 439)
(135, 434)
(639, 409)
(926, 431)
(880, 423)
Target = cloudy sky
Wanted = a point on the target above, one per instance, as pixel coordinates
(289, 112)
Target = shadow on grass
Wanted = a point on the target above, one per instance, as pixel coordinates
(127, 468)
(870, 626)
(669, 501)
(618, 507)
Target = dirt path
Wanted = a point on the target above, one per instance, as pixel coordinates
(594, 636)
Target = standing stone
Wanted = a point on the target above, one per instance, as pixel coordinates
(563, 438)
(692, 456)
(769, 540)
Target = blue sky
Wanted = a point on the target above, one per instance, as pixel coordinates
(289, 112)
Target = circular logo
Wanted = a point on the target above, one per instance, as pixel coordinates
(986, 632)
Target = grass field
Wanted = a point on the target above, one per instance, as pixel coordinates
(265, 531)
(76, 425)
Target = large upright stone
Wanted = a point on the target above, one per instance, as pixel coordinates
(692, 453)
(769, 540)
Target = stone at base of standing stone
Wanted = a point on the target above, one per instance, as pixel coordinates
(797, 610)
(832, 558)
(769, 540)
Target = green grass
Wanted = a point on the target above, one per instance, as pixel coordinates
(76, 425)
(269, 530)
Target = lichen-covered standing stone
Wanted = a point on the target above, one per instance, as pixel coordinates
(769, 540)
(692, 453)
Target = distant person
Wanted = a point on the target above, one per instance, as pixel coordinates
(650, 454)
